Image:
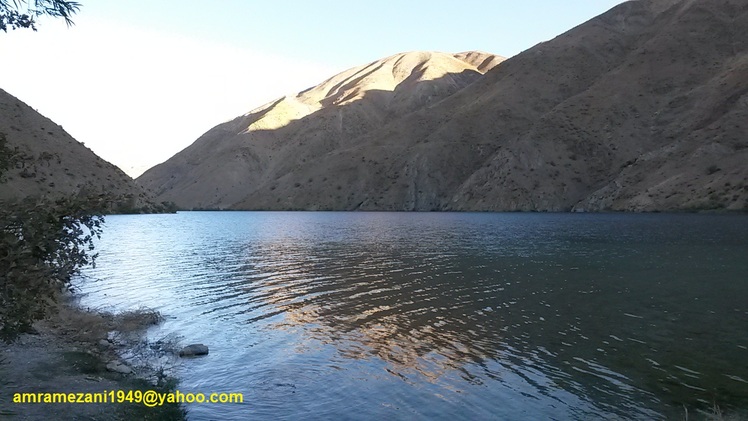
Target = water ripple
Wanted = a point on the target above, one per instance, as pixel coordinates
(429, 315)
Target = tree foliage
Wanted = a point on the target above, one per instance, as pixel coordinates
(43, 243)
(17, 14)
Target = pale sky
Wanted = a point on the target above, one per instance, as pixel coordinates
(139, 80)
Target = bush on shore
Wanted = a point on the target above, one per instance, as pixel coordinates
(43, 243)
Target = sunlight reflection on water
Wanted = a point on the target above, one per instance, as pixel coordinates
(437, 316)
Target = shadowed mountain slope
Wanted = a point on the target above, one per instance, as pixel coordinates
(49, 162)
(643, 109)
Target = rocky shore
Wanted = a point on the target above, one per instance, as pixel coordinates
(79, 351)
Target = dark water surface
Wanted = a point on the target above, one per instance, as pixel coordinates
(442, 315)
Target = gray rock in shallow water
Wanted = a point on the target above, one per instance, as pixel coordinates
(118, 367)
(192, 350)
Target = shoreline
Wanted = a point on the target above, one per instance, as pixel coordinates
(76, 350)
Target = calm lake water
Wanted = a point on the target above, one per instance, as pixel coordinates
(441, 316)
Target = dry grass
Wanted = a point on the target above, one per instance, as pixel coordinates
(136, 320)
(77, 324)
(91, 325)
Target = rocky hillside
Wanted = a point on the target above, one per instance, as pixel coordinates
(641, 109)
(644, 108)
(49, 162)
(269, 148)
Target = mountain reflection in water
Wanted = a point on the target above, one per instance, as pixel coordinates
(469, 315)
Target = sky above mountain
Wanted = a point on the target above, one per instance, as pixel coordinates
(137, 80)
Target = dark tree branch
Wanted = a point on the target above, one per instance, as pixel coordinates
(18, 14)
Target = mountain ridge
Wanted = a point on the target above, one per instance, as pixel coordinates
(638, 109)
(335, 113)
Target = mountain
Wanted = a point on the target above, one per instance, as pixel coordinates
(640, 109)
(268, 146)
(643, 108)
(49, 162)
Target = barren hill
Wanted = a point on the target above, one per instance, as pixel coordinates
(643, 108)
(271, 143)
(51, 163)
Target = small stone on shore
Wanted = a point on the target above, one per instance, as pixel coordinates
(118, 367)
(193, 350)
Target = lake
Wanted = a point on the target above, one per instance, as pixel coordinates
(440, 316)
